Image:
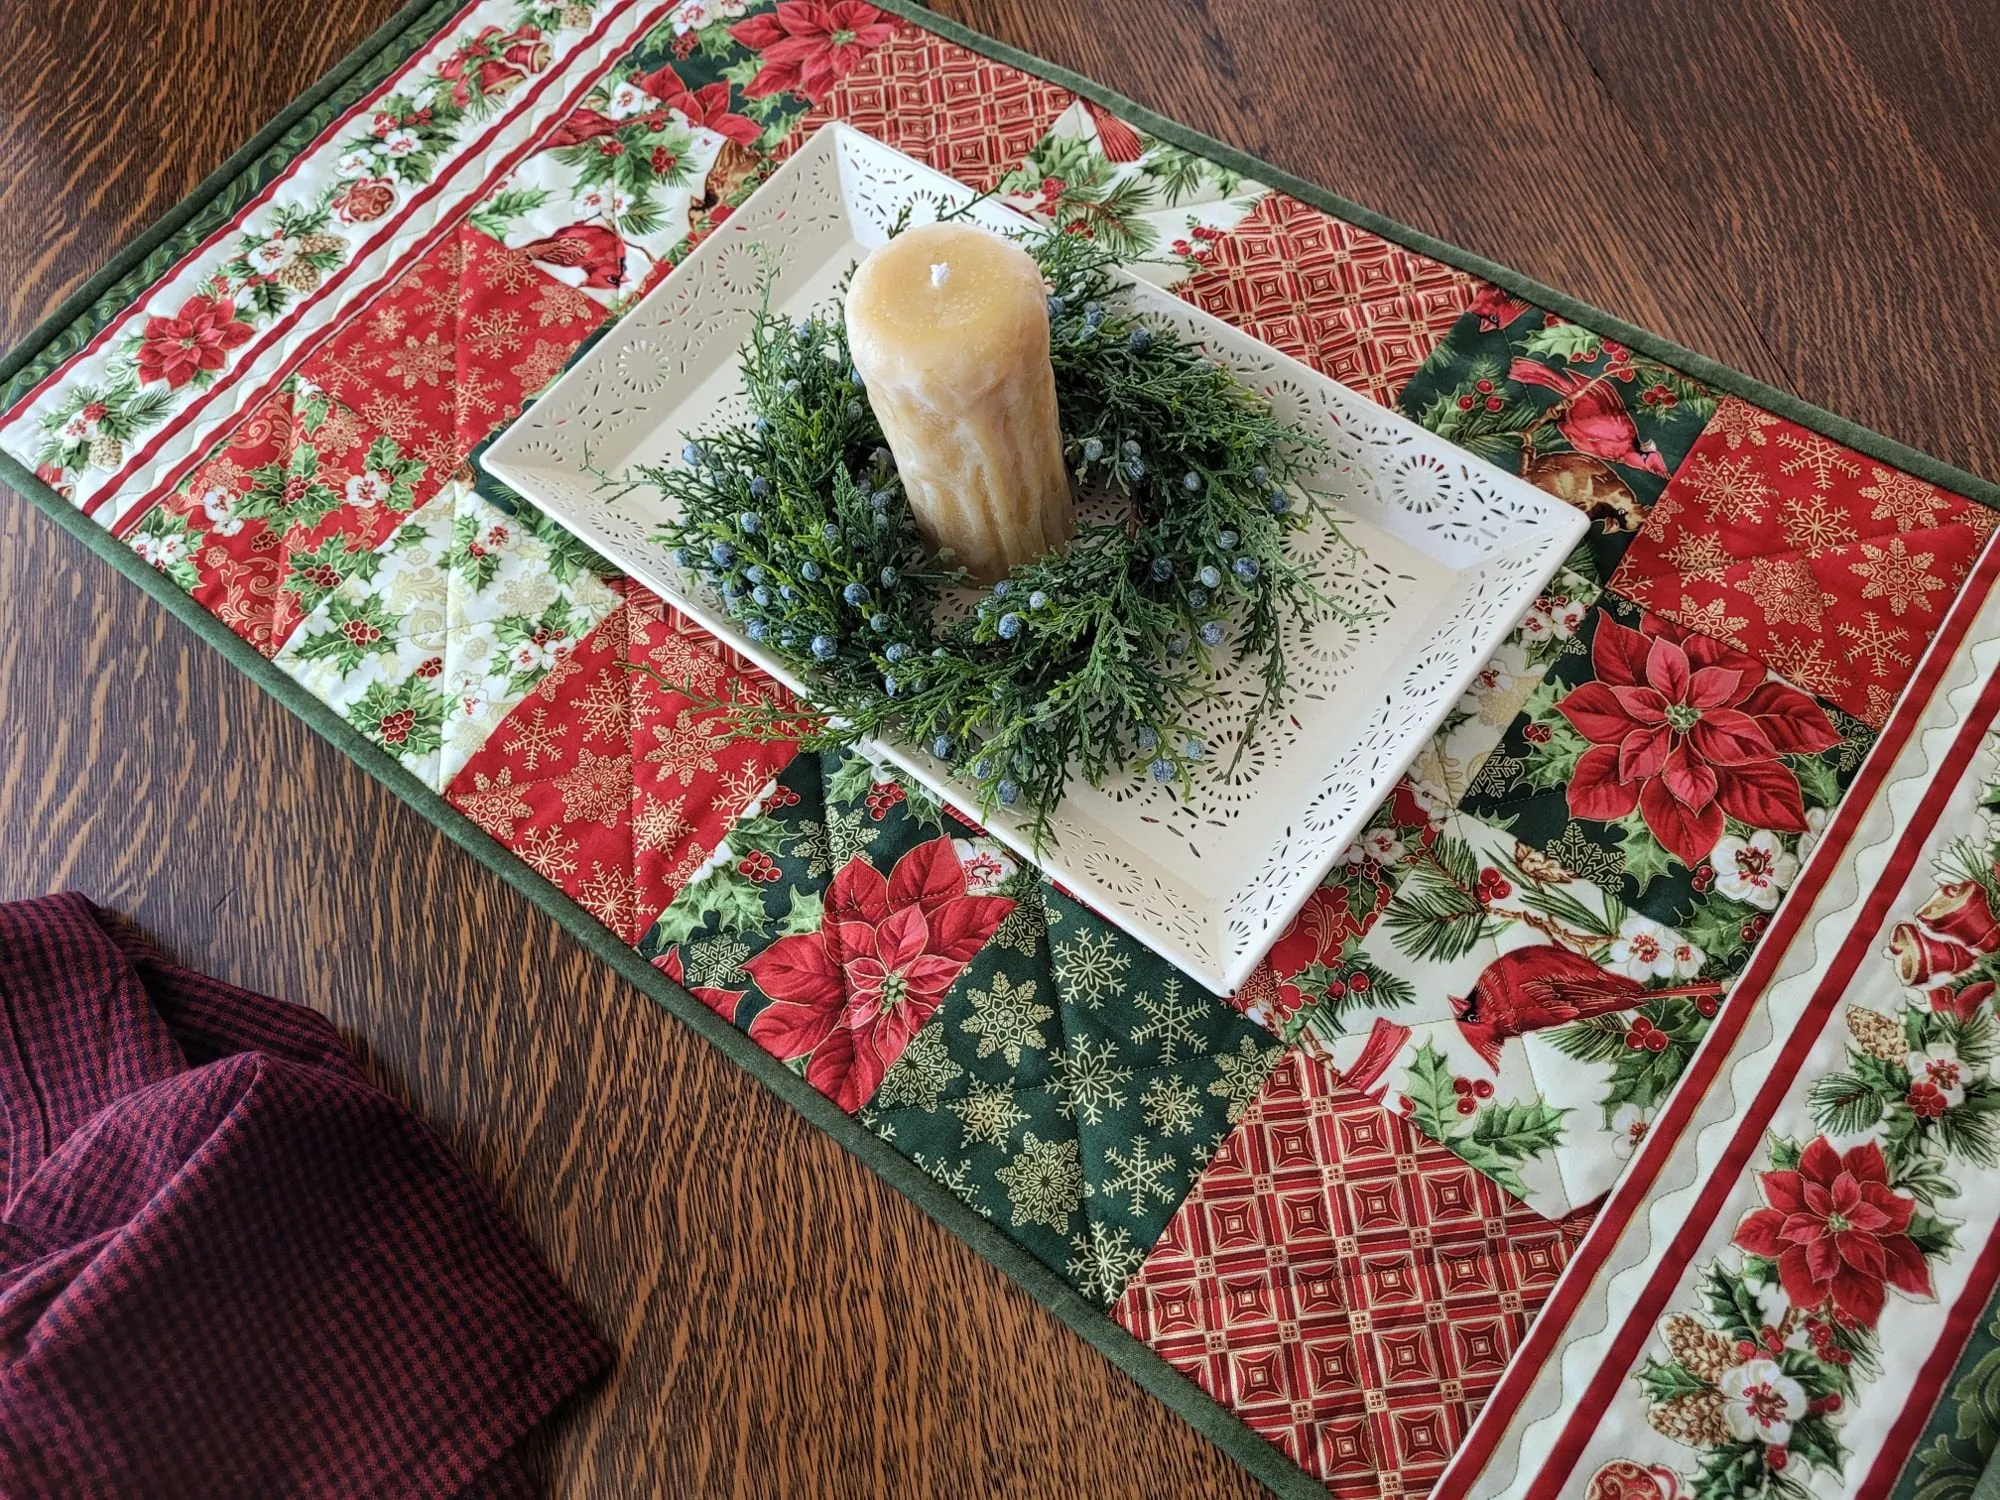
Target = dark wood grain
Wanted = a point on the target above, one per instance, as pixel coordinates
(1802, 189)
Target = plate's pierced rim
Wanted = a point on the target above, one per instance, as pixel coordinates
(1502, 537)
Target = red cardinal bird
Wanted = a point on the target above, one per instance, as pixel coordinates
(1385, 1040)
(591, 248)
(1527, 989)
(583, 125)
(1592, 416)
(1495, 309)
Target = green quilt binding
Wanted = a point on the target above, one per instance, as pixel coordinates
(89, 308)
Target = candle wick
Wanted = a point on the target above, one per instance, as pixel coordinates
(940, 272)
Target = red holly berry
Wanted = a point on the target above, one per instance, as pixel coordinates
(1830, 1402)
(663, 161)
(1744, 1349)
(1494, 403)
(94, 411)
(685, 43)
(1656, 1041)
(1707, 1005)
(1052, 187)
(1537, 734)
(1926, 1101)
(1461, 1085)
(360, 632)
(430, 666)
(1358, 984)
(611, 146)
(1466, 1106)
(1465, 403)
(1335, 988)
(295, 489)
(1624, 372)
(473, 549)
(1482, 386)
(1482, 1089)
(1777, 1458)
(1703, 877)
(395, 728)
(322, 575)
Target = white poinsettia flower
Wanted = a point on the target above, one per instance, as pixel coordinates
(1756, 870)
(626, 100)
(1760, 1402)
(1552, 617)
(1628, 1128)
(220, 508)
(693, 15)
(536, 654)
(356, 164)
(369, 489)
(1497, 676)
(401, 142)
(148, 548)
(79, 429)
(1939, 1066)
(1644, 949)
(1381, 845)
(986, 865)
(1428, 795)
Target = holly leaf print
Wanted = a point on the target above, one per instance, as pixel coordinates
(1433, 1102)
(1569, 341)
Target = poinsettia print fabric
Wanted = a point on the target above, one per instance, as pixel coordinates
(466, 609)
(1347, 1287)
(1831, 566)
(1571, 411)
(1674, 770)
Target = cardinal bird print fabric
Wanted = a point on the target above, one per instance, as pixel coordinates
(1340, 1201)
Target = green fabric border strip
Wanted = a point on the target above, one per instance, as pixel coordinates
(390, 43)
(1203, 1413)
(1700, 366)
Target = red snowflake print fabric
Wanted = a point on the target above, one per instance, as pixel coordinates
(964, 114)
(611, 783)
(849, 997)
(1829, 565)
(1349, 303)
(454, 347)
(1348, 1288)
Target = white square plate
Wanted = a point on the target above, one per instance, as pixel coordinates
(1451, 553)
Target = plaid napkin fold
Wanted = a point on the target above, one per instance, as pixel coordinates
(230, 1265)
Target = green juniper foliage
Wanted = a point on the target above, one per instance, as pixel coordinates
(1089, 660)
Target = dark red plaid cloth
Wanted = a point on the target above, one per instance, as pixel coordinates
(229, 1265)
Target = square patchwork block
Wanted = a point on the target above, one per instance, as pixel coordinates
(1349, 303)
(1831, 566)
(1349, 1289)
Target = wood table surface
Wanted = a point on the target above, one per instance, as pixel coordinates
(1801, 188)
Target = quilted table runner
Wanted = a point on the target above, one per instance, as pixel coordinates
(1391, 1220)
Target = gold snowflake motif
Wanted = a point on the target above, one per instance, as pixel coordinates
(610, 895)
(687, 664)
(494, 803)
(1700, 558)
(506, 270)
(547, 852)
(1573, 851)
(661, 825)
(386, 322)
(1896, 574)
(392, 416)
(685, 749)
(425, 362)
(1880, 701)
(606, 709)
(1813, 454)
(1730, 489)
(1815, 523)
(1786, 591)
(439, 452)
(535, 739)
(1737, 422)
(540, 365)
(597, 789)
(340, 430)
(1875, 643)
(473, 396)
(558, 303)
(741, 787)
(495, 332)
(1712, 619)
(691, 862)
(1903, 498)
(1805, 663)
(340, 370)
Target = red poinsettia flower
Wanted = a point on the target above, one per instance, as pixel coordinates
(198, 337)
(1838, 1232)
(851, 995)
(1686, 730)
(808, 47)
